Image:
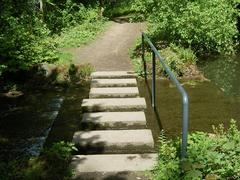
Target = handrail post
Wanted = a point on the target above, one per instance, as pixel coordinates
(184, 126)
(143, 56)
(153, 79)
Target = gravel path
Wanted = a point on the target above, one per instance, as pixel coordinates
(111, 50)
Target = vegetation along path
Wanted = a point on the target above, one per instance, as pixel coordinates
(110, 50)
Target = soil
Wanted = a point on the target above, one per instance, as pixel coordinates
(110, 52)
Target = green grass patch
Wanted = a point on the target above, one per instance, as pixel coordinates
(77, 36)
(81, 34)
(64, 58)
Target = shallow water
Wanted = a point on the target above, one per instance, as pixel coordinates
(224, 72)
(27, 122)
(69, 118)
(211, 103)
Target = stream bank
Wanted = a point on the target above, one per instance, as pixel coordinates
(212, 102)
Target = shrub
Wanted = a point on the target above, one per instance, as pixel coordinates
(203, 25)
(59, 16)
(24, 43)
(53, 163)
(142, 9)
(182, 62)
(216, 156)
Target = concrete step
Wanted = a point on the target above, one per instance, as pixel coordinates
(114, 141)
(112, 163)
(113, 83)
(113, 92)
(114, 120)
(113, 74)
(113, 104)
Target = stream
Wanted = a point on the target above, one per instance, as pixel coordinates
(212, 102)
(31, 121)
(40, 118)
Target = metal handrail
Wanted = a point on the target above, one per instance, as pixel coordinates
(172, 77)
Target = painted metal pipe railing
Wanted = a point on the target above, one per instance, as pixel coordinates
(185, 102)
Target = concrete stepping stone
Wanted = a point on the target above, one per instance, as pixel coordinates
(113, 92)
(113, 104)
(115, 120)
(114, 141)
(113, 74)
(113, 83)
(112, 163)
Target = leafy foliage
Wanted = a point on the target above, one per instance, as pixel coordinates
(25, 42)
(52, 164)
(203, 25)
(61, 15)
(182, 62)
(28, 35)
(215, 156)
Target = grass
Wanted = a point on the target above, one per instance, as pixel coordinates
(77, 36)
(81, 34)
(64, 58)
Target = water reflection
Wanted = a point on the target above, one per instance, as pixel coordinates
(224, 71)
(208, 106)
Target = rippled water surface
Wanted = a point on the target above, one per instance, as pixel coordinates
(211, 103)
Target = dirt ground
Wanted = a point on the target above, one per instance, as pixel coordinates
(110, 51)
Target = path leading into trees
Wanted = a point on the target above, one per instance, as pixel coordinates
(111, 49)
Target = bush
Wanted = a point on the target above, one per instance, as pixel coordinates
(25, 42)
(60, 16)
(182, 62)
(203, 25)
(52, 164)
(214, 156)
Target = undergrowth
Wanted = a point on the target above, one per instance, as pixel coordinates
(53, 164)
(80, 34)
(210, 156)
(181, 61)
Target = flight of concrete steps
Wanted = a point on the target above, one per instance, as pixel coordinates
(119, 140)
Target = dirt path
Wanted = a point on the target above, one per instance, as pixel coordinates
(110, 50)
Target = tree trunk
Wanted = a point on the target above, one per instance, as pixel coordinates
(41, 6)
(101, 2)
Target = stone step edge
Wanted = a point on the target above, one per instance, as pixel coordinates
(113, 74)
(114, 120)
(115, 139)
(113, 163)
(111, 92)
(113, 104)
(98, 83)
